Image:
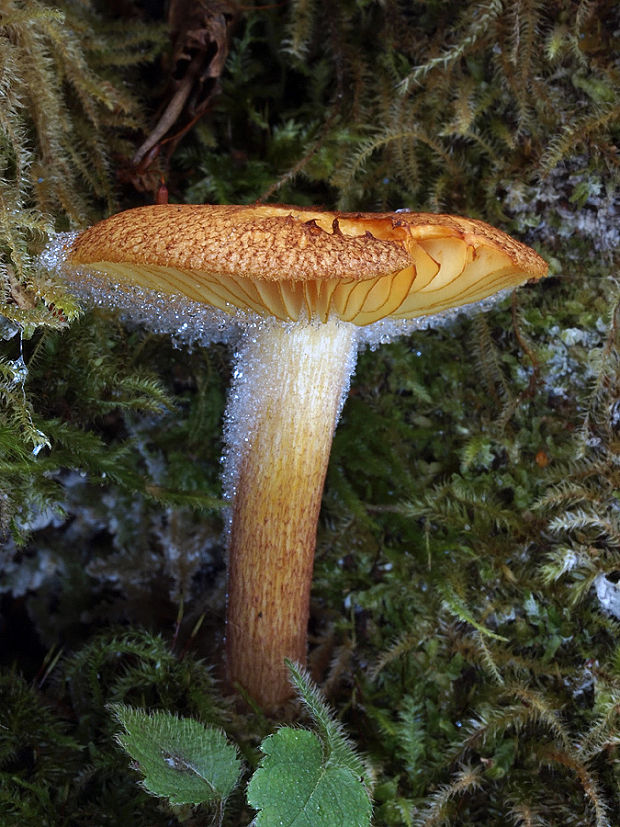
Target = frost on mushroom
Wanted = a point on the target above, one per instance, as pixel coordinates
(297, 292)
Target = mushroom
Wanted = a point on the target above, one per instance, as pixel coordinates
(304, 285)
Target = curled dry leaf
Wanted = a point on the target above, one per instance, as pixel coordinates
(200, 37)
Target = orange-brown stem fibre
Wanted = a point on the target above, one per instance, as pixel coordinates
(285, 402)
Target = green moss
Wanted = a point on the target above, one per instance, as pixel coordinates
(471, 503)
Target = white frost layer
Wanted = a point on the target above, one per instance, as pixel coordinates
(296, 374)
(187, 322)
(192, 323)
(387, 330)
(608, 594)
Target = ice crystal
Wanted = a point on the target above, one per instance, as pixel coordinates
(608, 594)
(8, 329)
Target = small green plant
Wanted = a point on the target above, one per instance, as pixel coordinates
(304, 779)
(181, 759)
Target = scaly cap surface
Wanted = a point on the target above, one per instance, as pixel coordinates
(284, 261)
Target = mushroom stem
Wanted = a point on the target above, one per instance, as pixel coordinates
(289, 386)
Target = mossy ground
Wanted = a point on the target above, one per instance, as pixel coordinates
(471, 502)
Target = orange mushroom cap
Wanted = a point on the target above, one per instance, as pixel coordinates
(290, 262)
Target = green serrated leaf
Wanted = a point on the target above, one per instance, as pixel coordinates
(181, 759)
(295, 786)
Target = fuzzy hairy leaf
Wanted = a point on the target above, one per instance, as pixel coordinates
(310, 780)
(181, 759)
(295, 785)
